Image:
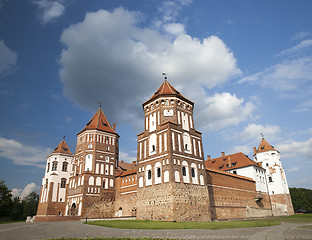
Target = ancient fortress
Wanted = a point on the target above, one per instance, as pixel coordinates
(170, 181)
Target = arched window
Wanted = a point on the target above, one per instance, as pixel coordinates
(177, 176)
(91, 180)
(98, 181)
(166, 176)
(193, 172)
(88, 164)
(63, 182)
(152, 144)
(167, 102)
(140, 182)
(187, 142)
(64, 167)
(185, 172)
(48, 167)
(46, 183)
(148, 175)
(54, 166)
(157, 173)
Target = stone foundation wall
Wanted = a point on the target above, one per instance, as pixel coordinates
(282, 205)
(55, 218)
(127, 203)
(173, 202)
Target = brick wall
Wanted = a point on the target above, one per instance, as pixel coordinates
(282, 205)
(233, 197)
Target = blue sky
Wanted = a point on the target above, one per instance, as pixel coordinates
(247, 65)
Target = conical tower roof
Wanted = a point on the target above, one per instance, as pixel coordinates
(99, 122)
(264, 146)
(62, 148)
(166, 89)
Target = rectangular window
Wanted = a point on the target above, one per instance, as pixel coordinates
(149, 174)
(183, 171)
(193, 172)
(270, 179)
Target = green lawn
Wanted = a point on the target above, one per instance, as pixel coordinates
(145, 224)
(298, 218)
(109, 239)
(5, 222)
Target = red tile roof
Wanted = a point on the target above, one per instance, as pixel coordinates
(128, 172)
(166, 89)
(62, 148)
(229, 174)
(233, 161)
(264, 146)
(99, 122)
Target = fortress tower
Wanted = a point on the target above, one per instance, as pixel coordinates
(278, 190)
(52, 200)
(172, 182)
(91, 190)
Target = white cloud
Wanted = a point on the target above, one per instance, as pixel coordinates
(31, 187)
(284, 76)
(174, 28)
(23, 154)
(50, 10)
(222, 110)
(296, 150)
(301, 35)
(8, 58)
(127, 157)
(241, 148)
(300, 46)
(109, 58)
(253, 131)
(304, 106)
(170, 9)
(294, 169)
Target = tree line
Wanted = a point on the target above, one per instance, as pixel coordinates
(15, 208)
(301, 199)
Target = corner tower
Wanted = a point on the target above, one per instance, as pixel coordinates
(278, 189)
(172, 183)
(91, 190)
(52, 200)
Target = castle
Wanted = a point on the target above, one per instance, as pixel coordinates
(170, 181)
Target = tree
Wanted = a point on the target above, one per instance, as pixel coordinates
(17, 209)
(6, 202)
(31, 204)
(301, 199)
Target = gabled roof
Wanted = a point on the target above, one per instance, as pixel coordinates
(229, 162)
(264, 146)
(166, 89)
(62, 148)
(99, 122)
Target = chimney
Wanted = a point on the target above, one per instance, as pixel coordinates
(255, 150)
(114, 126)
(134, 162)
(208, 158)
(222, 154)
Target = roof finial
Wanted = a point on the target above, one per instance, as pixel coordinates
(100, 103)
(64, 137)
(165, 76)
(262, 135)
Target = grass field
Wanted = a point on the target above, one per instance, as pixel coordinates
(5, 222)
(299, 218)
(109, 239)
(144, 224)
